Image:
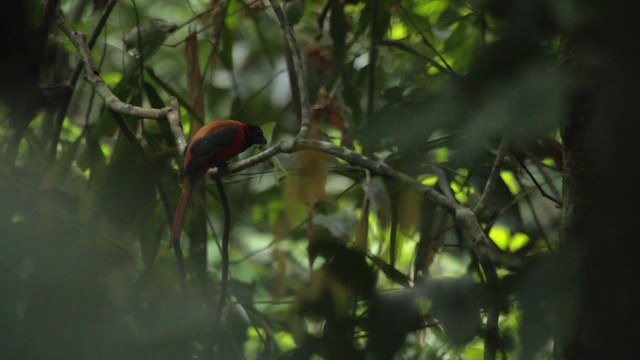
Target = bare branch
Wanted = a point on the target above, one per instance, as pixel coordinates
(493, 177)
(93, 77)
(379, 168)
(425, 41)
(173, 116)
(535, 181)
(414, 52)
(468, 221)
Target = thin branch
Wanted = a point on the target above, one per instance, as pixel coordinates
(215, 44)
(321, 18)
(305, 123)
(468, 222)
(414, 52)
(379, 168)
(539, 226)
(535, 181)
(424, 38)
(542, 170)
(493, 177)
(167, 88)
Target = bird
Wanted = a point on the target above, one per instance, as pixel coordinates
(211, 146)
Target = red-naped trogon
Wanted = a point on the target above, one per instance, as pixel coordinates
(211, 146)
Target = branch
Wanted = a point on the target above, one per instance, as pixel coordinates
(62, 113)
(173, 116)
(167, 88)
(468, 221)
(493, 177)
(305, 123)
(425, 41)
(535, 181)
(408, 49)
(92, 75)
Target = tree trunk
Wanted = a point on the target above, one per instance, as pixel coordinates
(601, 200)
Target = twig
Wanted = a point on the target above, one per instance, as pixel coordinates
(468, 221)
(535, 181)
(493, 177)
(164, 86)
(305, 123)
(215, 42)
(414, 52)
(321, 18)
(424, 38)
(536, 220)
(543, 172)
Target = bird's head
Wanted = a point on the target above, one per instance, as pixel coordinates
(254, 136)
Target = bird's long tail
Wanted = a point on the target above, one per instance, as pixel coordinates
(176, 228)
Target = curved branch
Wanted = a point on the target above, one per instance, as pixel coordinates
(305, 123)
(92, 75)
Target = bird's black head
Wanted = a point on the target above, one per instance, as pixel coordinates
(254, 135)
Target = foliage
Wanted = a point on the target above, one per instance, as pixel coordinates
(327, 259)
